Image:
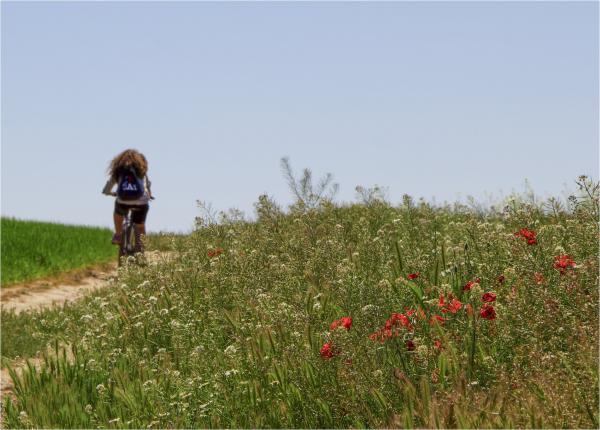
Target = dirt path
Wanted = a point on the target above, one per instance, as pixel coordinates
(46, 293)
(67, 288)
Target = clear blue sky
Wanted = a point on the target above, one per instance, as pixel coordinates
(432, 99)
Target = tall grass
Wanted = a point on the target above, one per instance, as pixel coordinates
(231, 333)
(32, 249)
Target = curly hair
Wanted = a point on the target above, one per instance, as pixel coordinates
(128, 158)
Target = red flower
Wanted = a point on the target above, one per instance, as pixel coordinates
(437, 319)
(412, 276)
(392, 327)
(214, 252)
(563, 262)
(437, 345)
(528, 235)
(500, 279)
(488, 297)
(469, 285)
(487, 312)
(345, 322)
(410, 345)
(453, 306)
(326, 351)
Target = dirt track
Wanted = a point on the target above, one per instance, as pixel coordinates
(45, 293)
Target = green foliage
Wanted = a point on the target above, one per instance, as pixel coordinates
(228, 334)
(33, 249)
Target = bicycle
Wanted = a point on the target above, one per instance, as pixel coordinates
(129, 239)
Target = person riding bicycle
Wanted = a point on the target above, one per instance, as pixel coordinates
(128, 171)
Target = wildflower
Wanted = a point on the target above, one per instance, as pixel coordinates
(563, 262)
(488, 297)
(345, 322)
(470, 284)
(412, 276)
(326, 351)
(437, 345)
(410, 345)
(528, 235)
(487, 312)
(500, 279)
(402, 319)
(437, 319)
(453, 306)
(230, 350)
(214, 252)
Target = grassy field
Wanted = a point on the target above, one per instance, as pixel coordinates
(365, 315)
(32, 249)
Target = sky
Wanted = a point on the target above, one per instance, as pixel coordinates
(436, 100)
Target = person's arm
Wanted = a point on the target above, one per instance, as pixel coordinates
(148, 184)
(108, 187)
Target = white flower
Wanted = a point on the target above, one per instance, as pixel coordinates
(368, 309)
(228, 373)
(230, 350)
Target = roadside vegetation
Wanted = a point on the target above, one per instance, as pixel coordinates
(336, 316)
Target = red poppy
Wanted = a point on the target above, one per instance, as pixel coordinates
(452, 306)
(409, 312)
(326, 351)
(392, 327)
(437, 345)
(214, 252)
(488, 297)
(345, 322)
(441, 302)
(410, 345)
(500, 279)
(528, 235)
(469, 285)
(487, 312)
(412, 276)
(563, 262)
(437, 319)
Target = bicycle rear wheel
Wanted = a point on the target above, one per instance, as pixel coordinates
(127, 242)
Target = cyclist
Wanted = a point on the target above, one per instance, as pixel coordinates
(128, 171)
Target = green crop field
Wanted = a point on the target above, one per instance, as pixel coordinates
(32, 249)
(336, 316)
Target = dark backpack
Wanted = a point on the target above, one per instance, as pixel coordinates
(130, 186)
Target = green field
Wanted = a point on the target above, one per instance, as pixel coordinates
(459, 319)
(32, 249)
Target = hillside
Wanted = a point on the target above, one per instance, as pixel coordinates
(340, 316)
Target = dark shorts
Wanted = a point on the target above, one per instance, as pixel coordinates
(138, 212)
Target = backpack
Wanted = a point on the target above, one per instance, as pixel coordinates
(130, 186)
